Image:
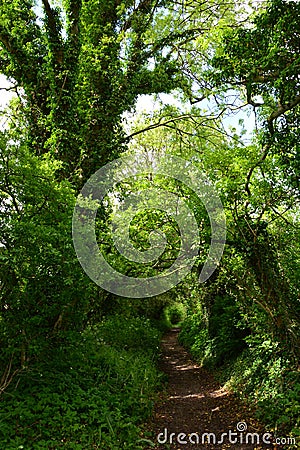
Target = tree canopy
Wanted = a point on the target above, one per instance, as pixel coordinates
(77, 69)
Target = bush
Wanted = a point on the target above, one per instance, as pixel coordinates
(194, 335)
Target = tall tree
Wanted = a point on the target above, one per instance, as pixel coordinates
(80, 66)
(82, 63)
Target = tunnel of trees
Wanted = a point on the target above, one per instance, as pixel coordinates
(215, 83)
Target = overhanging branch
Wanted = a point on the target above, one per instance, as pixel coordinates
(158, 124)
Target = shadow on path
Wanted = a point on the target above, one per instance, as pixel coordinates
(196, 404)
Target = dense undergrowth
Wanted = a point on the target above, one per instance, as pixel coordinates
(252, 364)
(91, 392)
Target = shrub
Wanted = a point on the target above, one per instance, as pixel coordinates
(264, 375)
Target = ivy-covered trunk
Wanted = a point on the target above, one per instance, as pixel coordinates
(276, 298)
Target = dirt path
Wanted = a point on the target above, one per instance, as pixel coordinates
(196, 404)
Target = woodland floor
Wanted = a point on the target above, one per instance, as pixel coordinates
(196, 403)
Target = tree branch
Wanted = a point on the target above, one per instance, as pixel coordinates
(74, 14)
(281, 215)
(281, 110)
(142, 7)
(250, 173)
(156, 125)
(54, 34)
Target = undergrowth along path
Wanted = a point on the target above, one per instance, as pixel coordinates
(195, 404)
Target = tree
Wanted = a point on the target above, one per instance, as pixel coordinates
(80, 65)
(261, 62)
(43, 292)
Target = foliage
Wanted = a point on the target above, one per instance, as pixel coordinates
(43, 290)
(260, 61)
(88, 392)
(80, 66)
(130, 333)
(265, 376)
(263, 55)
(194, 335)
(215, 338)
(69, 378)
(175, 314)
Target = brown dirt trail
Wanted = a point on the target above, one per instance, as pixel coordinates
(195, 404)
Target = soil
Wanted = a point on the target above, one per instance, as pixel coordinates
(195, 404)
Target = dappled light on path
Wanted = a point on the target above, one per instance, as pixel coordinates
(196, 412)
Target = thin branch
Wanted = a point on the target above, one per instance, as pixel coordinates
(8, 89)
(156, 125)
(197, 99)
(282, 216)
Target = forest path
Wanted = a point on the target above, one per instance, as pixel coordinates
(196, 403)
